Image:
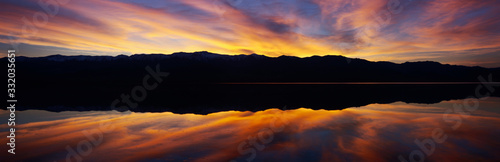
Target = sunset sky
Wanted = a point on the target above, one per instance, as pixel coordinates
(464, 32)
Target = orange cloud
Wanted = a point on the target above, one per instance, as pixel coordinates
(273, 28)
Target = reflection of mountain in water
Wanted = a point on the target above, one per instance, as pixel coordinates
(378, 132)
(186, 98)
(61, 83)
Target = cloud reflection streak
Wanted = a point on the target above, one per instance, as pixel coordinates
(377, 132)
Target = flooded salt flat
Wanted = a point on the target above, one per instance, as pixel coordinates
(369, 133)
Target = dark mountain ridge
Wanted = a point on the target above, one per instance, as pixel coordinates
(195, 83)
(205, 67)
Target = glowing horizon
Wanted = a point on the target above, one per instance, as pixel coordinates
(446, 31)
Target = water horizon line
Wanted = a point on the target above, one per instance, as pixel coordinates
(357, 83)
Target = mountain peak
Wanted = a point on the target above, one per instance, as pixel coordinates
(205, 55)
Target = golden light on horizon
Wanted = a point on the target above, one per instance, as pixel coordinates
(361, 29)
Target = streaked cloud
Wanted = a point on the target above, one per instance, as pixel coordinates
(436, 30)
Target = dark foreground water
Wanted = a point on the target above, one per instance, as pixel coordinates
(455, 130)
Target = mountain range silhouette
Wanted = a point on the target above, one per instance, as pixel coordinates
(198, 82)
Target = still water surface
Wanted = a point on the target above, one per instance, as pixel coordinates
(376, 132)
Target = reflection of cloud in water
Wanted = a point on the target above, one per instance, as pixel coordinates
(371, 133)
